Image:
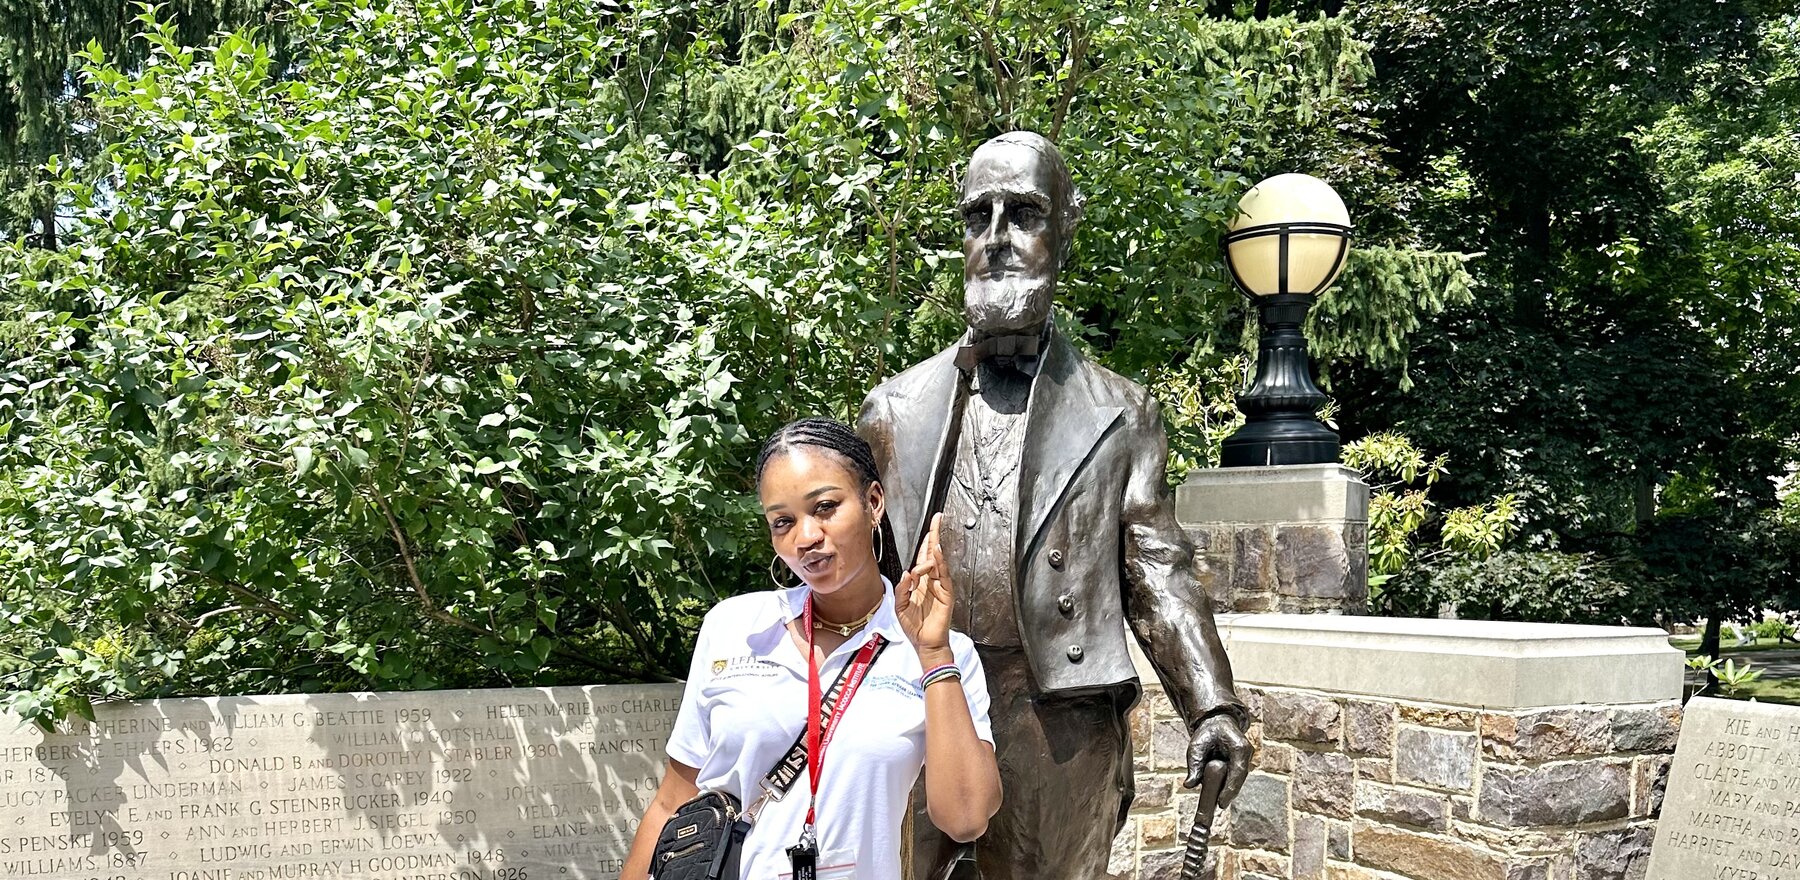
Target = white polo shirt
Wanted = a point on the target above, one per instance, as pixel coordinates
(746, 702)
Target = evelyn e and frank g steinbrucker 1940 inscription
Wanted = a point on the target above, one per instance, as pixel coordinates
(518, 784)
(1732, 808)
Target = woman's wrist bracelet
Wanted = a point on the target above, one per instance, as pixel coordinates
(939, 673)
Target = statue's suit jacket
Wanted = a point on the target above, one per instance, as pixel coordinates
(1097, 537)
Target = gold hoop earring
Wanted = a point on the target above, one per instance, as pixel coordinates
(878, 542)
(772, 576)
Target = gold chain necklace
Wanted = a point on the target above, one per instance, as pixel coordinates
(845, 629)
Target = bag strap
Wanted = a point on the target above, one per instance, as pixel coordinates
(731, 841)
(786, 771)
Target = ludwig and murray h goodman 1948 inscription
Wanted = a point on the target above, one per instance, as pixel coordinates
(520, 784)
(1732, 808)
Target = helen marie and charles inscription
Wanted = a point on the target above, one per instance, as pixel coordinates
(519, 784)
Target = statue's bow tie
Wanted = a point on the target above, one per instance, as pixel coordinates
(1020, 348)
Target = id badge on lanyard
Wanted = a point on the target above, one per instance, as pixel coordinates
(805, 855)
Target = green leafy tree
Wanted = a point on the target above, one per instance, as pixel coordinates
(439, 357)
(45, 101)
(1717, 555)
(1572, 378)
(1621, 168)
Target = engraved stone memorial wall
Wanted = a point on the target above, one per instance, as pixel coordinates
(1732, 811)
(520, 784)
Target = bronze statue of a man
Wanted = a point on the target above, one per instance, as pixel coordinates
(1060, 529)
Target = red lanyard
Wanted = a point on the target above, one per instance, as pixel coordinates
(819, 731)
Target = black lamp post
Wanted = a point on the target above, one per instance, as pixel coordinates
(1286, 246)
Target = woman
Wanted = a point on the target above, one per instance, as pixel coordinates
(923, 700)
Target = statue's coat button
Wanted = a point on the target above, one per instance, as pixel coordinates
(1066, 602)
(969, 523)
(1074, 653)
(1056, 559)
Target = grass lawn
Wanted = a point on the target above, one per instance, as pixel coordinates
(1767, 690)
(1691, 644)
(1779, 690)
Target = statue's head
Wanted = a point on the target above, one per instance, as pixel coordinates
(1019, 211)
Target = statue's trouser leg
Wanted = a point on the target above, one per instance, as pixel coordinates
(1064, 763)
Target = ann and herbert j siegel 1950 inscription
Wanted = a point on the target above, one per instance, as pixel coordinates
(526, 784)
(1732, 810)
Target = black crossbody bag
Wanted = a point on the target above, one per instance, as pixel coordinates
(704, 839)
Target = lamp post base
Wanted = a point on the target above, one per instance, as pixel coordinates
(1267, 444)
(1281, 423)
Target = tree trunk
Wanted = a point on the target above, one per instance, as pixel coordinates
(1644, 498)
(47, 217)
(1709, 643)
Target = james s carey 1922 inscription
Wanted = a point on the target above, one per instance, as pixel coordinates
(523, 784)
(1732, 809)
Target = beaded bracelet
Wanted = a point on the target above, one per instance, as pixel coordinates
(939, 673)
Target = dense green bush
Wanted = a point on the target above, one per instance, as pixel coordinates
(1409, 536)
(1546, 586)
(401, 371)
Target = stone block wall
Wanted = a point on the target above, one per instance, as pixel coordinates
(1289, 539)
(1291, 567)
(1350, 785)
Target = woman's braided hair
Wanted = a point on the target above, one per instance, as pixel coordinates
(835, 436)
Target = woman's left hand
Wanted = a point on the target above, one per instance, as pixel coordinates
(925, 596)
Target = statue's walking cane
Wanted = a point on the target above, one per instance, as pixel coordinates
(961, 863)
(939, 486)
(1212, 780)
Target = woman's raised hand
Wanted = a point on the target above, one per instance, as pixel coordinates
(925, 595)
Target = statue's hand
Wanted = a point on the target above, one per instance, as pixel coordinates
(1219, 739)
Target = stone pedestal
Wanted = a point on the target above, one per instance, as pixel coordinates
(1390, 749)
(1290, 539)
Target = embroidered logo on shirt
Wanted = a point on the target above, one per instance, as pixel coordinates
(746, 666)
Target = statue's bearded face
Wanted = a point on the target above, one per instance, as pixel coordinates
(1012, 239)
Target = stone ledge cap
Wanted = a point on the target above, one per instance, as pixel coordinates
(1287, 473)
(1289, 493)
(1488, 664)
(1277, 474)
